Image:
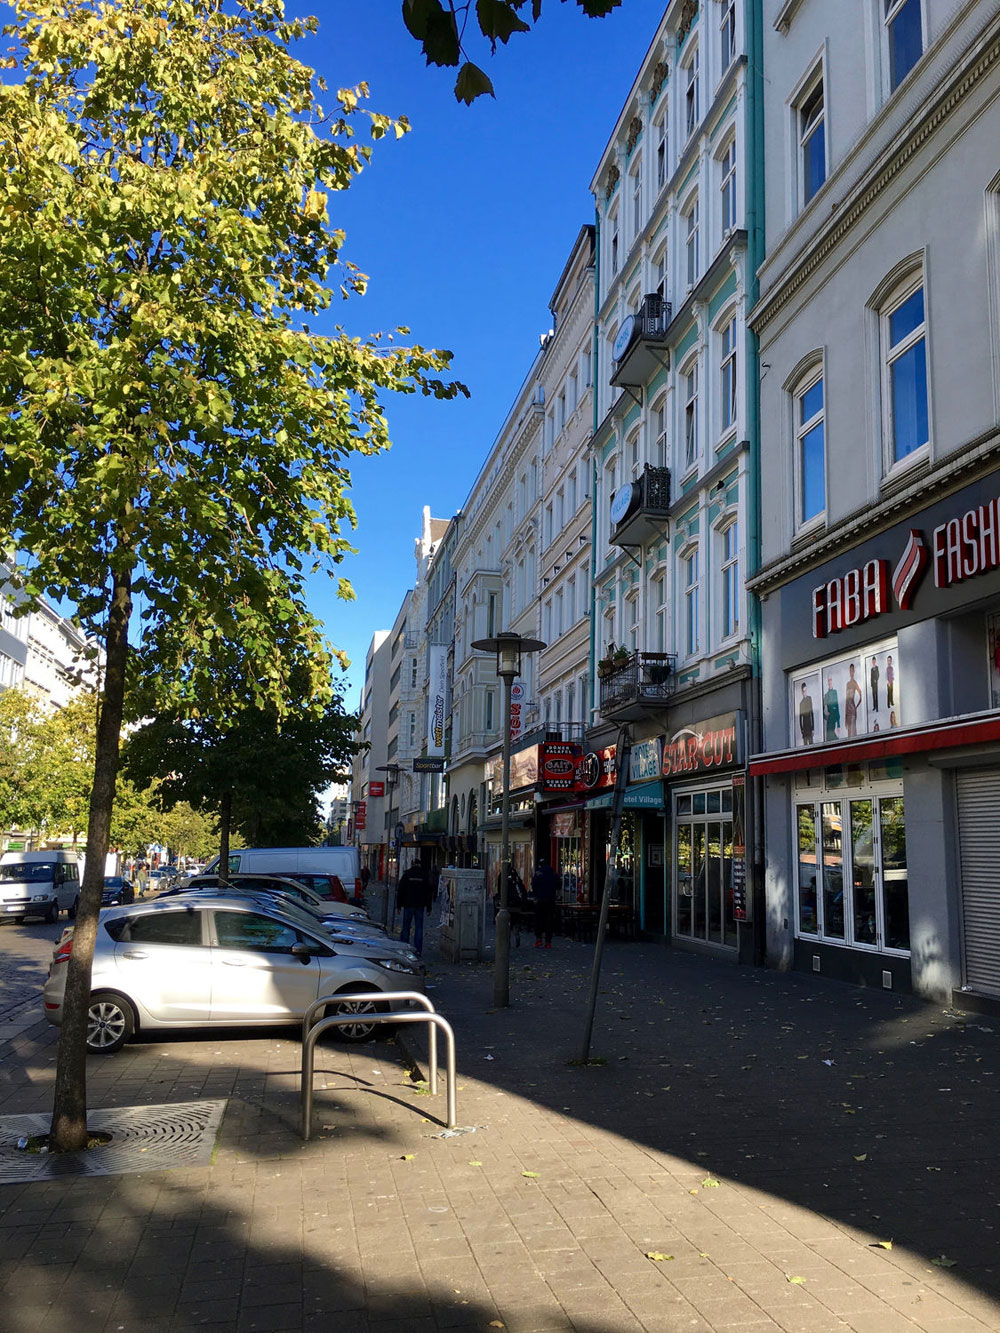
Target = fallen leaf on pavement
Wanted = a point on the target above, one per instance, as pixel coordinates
(796, 1281)
(861, 1157)
(657, 1257)
(710, 1184)
(942, 1261)
(884, 1244)
(531, 1175)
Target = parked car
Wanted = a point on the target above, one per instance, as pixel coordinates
(341, 862)
(216, 962)
(287, 885)
(117, 890)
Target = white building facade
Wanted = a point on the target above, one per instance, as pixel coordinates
(879, 328)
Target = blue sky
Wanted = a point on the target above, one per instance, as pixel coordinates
(463, 227)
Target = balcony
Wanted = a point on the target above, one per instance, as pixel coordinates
(641, 346)
(635, 686)
(639, 510)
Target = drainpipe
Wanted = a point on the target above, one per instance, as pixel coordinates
(753, 21)
(593, 461)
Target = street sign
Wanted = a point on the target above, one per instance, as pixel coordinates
(376, 789)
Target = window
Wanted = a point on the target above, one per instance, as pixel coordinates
(904, 38)
(613, 242)
(727, 32)
(691, 93)
(261, 934)
(571, 494)
(659, 423)
(547, 526)
(413, 672)
(727, 375)
(691, 240)
(574, 390)
(905, 383)
(660, 140)
(727, 186)
(730, 580)
(635, 181)
(561, 413)
(489, 698)
(491, 615)
(632, 454)
(586, 359)
(571, 600)
(658, 608)
(691, 602)
(632, 621)
(660, 274)
(412, 719)
(570, 702)
(183, 928)
(810, 451)
(811, 117)
(691, 416)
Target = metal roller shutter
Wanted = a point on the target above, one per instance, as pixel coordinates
(979, 834)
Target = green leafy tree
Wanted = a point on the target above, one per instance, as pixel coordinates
(261, 775)
(188, 832)
(23, 798)
(175, 437)
(441, 28)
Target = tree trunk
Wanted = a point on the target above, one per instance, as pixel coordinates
(69, 1109)
(225, 814)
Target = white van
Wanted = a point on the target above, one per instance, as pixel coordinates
(340, 861)
(39, 884)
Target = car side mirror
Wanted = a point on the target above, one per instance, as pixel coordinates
(305, 953)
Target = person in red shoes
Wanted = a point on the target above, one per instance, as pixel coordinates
(544, 890)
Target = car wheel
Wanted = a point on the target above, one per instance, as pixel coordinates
(359, 1031)
(51, 912)
(110, 1023)
(72, 909)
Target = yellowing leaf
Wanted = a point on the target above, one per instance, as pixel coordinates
(407, 1157)
(657, 1257)
(531, 1175)
(861, 1157)
(795, 1281)
(884, 1244)
(710, 1184)
(475, 1163)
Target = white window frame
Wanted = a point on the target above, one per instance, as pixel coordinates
(727, 34)
(658, 432)
(661, 128)
(802, 427)
(891, 11)
(691, 247)
(635, 183)
(805, 129)
(727, 185)
(730, 588)
(692, 111)
(728, 379)
(689, 433)
(690, 629)
(890, 354)
(614, 243)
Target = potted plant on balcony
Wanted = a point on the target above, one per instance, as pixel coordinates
(621, 657)
(659, 672)
(606, 664)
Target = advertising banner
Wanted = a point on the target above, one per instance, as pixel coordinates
(360, 815)
(517, 704)
(437, 697)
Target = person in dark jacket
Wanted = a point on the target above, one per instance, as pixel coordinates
(544, 890)
(413, 896)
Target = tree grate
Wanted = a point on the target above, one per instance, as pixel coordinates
(144, 1138)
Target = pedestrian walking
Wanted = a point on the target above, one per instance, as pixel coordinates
(544, 890)
(413, 897)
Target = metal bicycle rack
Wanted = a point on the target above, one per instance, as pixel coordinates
(312, 1031)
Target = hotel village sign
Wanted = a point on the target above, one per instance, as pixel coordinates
(960, 549)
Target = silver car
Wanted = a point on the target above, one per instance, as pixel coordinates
(220, 962)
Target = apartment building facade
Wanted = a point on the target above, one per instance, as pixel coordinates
(674, 453)
(879, 328)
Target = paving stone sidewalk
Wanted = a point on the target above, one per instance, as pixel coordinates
(742, 1156)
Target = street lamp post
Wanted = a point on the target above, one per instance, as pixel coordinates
(391, 772)
(508, 648)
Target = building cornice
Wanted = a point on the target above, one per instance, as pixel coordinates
(951, 474)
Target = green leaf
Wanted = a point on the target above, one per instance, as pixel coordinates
(440, 43)
(498, 21)
(657, 1257)
(795, 1281)
(471, 83)
(531, 1175)
(943, 1261)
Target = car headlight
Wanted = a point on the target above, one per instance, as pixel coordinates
(395, 965)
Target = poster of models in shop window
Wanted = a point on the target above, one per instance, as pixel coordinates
(854, 695)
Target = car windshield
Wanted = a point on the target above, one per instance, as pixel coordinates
(29, 872)
(113, 881)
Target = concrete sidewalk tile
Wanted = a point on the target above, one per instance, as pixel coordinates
(879, 1321)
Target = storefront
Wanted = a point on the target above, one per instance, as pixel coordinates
(882, 762)
(708, 860)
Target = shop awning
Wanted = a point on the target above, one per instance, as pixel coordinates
(974, 729)
(648, 796)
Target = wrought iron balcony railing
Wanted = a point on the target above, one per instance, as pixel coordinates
(635, 684)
